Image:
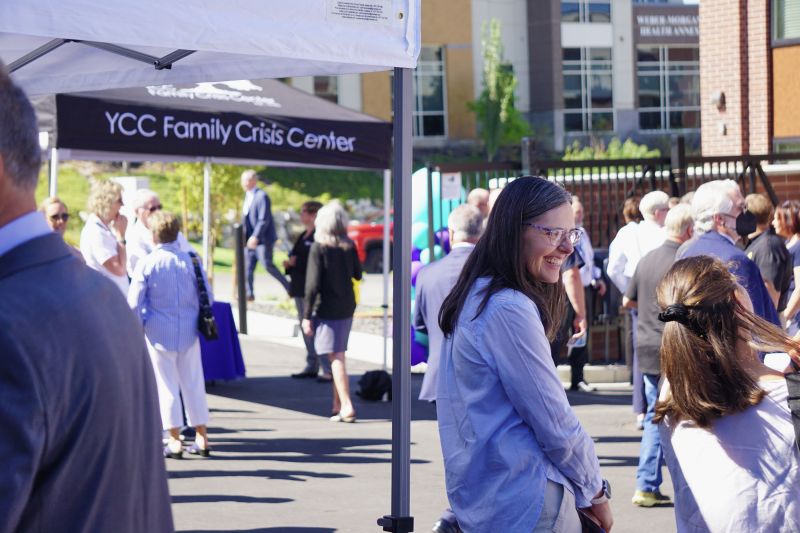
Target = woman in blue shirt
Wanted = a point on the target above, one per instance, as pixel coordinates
(516, 457)
(164, 295)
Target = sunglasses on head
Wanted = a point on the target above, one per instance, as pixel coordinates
(154, 208)
(63, 217)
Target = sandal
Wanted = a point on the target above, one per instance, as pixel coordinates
(347, 419)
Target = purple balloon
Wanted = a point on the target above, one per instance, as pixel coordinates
(415, 266)
(419, 353)
(443, 239)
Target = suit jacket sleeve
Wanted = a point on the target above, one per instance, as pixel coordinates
(261, 206)
(23, 423)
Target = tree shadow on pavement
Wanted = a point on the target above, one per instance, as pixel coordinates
(310, 397)
(599, 398)
(284, 475)
(607, 461)
(266, 530)
(216, 498)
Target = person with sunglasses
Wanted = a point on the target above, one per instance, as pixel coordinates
(56, 213)
(139, 235)
(516, 456)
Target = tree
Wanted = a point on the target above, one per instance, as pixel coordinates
(500, 122)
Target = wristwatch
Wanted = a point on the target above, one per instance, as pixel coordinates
(603, 498)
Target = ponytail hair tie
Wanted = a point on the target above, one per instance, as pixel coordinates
(680, 313)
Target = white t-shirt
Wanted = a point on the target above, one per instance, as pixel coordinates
(98, 245)
(741, 475)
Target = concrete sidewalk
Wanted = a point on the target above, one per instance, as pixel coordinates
(279, 465)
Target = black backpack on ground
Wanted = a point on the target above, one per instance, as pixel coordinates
(375, 385)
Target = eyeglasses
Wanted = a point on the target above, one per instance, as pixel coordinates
(556, 235)
(154, 208)
(63, 217)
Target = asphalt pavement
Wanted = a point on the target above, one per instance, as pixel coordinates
(279, 465)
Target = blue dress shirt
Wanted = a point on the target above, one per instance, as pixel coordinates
(163, 294)
(22, 229)
(746, 271)
(504, 421)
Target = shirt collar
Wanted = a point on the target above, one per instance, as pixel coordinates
(462, 245)
(23, 229)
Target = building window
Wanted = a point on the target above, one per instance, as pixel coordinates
(586, 11)
(430, 109)
(785, 20)
(588, 89)
(327, 87)
(668, 79)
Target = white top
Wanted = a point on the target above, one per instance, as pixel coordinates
(742, 475)
(588, 271)
(633, 241)
(248, 201)
(22, 229)
(140, 244)
(98, 245)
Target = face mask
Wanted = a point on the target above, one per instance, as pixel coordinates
(745, 223)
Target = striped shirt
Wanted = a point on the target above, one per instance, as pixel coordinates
(163, 295)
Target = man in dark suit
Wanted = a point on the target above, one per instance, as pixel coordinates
(80, 438)
(434, 283)
(260, 235)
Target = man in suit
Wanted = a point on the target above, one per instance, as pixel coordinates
(260, 232)
(720, 221)
(434, 283)
(80, 439)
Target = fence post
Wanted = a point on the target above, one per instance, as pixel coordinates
(752, 176)
(527, 155)
(677, 175)
(238, 232)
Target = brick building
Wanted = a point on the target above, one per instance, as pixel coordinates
(750, 65)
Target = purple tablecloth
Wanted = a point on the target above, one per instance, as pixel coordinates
(222, 358)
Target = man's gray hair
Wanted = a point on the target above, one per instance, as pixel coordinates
(466, 222)
(19, 135)
(652, 201)
(678, 220)
(711, 198)
(141, 197)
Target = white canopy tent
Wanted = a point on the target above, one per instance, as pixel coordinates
(54, 46)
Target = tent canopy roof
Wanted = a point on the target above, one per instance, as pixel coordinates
(251, 39)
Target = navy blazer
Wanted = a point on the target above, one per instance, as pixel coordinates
(745, 270)
(81, 430)
(258, 220)
(434, 283)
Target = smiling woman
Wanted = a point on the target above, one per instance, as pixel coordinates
(516, 457)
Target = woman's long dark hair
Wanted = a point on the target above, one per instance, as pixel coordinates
(498, 255)
(699, 345)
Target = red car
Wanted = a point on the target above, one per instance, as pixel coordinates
(368, 237)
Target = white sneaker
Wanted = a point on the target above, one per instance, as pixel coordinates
(585, 387)
(640, 421)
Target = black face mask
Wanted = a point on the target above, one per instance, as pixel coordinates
(745, 223)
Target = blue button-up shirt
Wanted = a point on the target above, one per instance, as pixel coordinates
(163, 294)
(504, 421)
(746, 271)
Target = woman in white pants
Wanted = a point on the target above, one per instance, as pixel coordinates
(164, 295)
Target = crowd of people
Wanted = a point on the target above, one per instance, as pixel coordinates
(114, 371)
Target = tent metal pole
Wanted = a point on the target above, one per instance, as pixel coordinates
(387, 198)
(400, 520)
(207, 214)
(54, 171)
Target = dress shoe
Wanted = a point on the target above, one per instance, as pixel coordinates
(251, 298)
(305, 374)
(445, 526)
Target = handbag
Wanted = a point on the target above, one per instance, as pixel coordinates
(206, 323)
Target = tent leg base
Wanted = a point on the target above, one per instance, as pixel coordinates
(397, 524)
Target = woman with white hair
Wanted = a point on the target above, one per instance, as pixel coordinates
(103, 236)
(330, 301)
